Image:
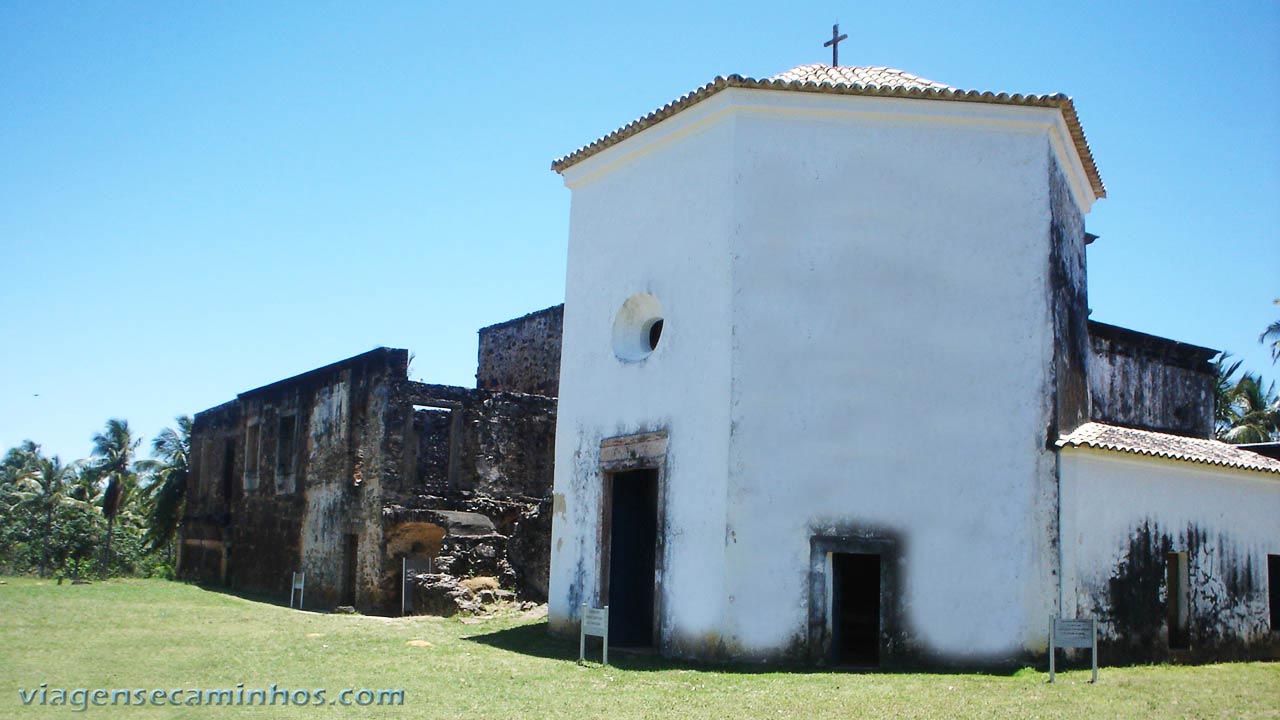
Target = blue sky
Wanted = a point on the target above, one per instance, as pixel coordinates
(200, 198)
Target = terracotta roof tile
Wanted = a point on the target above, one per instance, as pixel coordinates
(1174, 447)
(885, 77)
(848, 80)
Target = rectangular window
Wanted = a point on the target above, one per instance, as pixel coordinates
(285, 445)
(1179, 600)
(229, 489)
(433, 428)
(208, 467)
(1273, 590)
(251, 450)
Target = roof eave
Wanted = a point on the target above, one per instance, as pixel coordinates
(1134, 453)
(1061, 102)
(1094, 436)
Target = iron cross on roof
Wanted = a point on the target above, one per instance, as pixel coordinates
(834, 44)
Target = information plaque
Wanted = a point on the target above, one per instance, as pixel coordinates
(1065, 633)
(595, 621)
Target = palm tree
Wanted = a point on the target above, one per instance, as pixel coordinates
(1224, 394)
(1254, 412)
(167, 490)
(17, 459)
(114, 448)
(1272, 333)
(43, 487)
(85, 486)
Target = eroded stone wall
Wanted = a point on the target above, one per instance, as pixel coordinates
(522, 355)
(289, 479)
(323, 473)
(206, 523)
(483, 452)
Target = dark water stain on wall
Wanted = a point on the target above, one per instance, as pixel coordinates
(1135, 606)
(896, 647)
(1069, 303)
(1145, 381)
(1227, 599)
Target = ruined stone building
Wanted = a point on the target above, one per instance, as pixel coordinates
(830, 392)
(345, 471)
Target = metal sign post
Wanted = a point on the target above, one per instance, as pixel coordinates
(595, 621)
(408, 566)
(1073, 634)
(298, 585)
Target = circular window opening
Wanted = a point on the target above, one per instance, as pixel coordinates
(637, 327)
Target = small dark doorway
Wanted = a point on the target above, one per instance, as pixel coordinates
(1273, 590)
(351, 543)
(855, 609)
(1178, 602)
(632, 557)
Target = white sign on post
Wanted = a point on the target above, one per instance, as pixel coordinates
(1065, 633)
(595, 621)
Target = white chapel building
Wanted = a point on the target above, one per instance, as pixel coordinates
(830, 393)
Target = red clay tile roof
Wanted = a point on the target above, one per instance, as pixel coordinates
(847, 80)
(1173, 447)
(886, 77)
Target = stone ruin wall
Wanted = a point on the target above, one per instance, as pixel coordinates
(284, 474)
(485, 453)
(403, 468)
(522, 355)
(208, 505)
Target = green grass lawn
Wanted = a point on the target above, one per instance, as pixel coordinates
(156, 635)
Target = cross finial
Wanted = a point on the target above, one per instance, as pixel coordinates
(834, 44)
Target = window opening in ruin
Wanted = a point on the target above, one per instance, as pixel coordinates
(855, 609)
(434, 451)
(251, 452)
(1273, 590)
(351, 543)
(632, 534)
(285, 445)
(230, 491)
(1179, 600)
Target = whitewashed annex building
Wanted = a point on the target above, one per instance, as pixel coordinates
(830, 392)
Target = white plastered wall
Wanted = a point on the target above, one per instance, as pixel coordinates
(649, 222)
(858, 338)
(892, 341)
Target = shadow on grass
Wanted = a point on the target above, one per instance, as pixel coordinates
(535, 640)
(250, 595)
